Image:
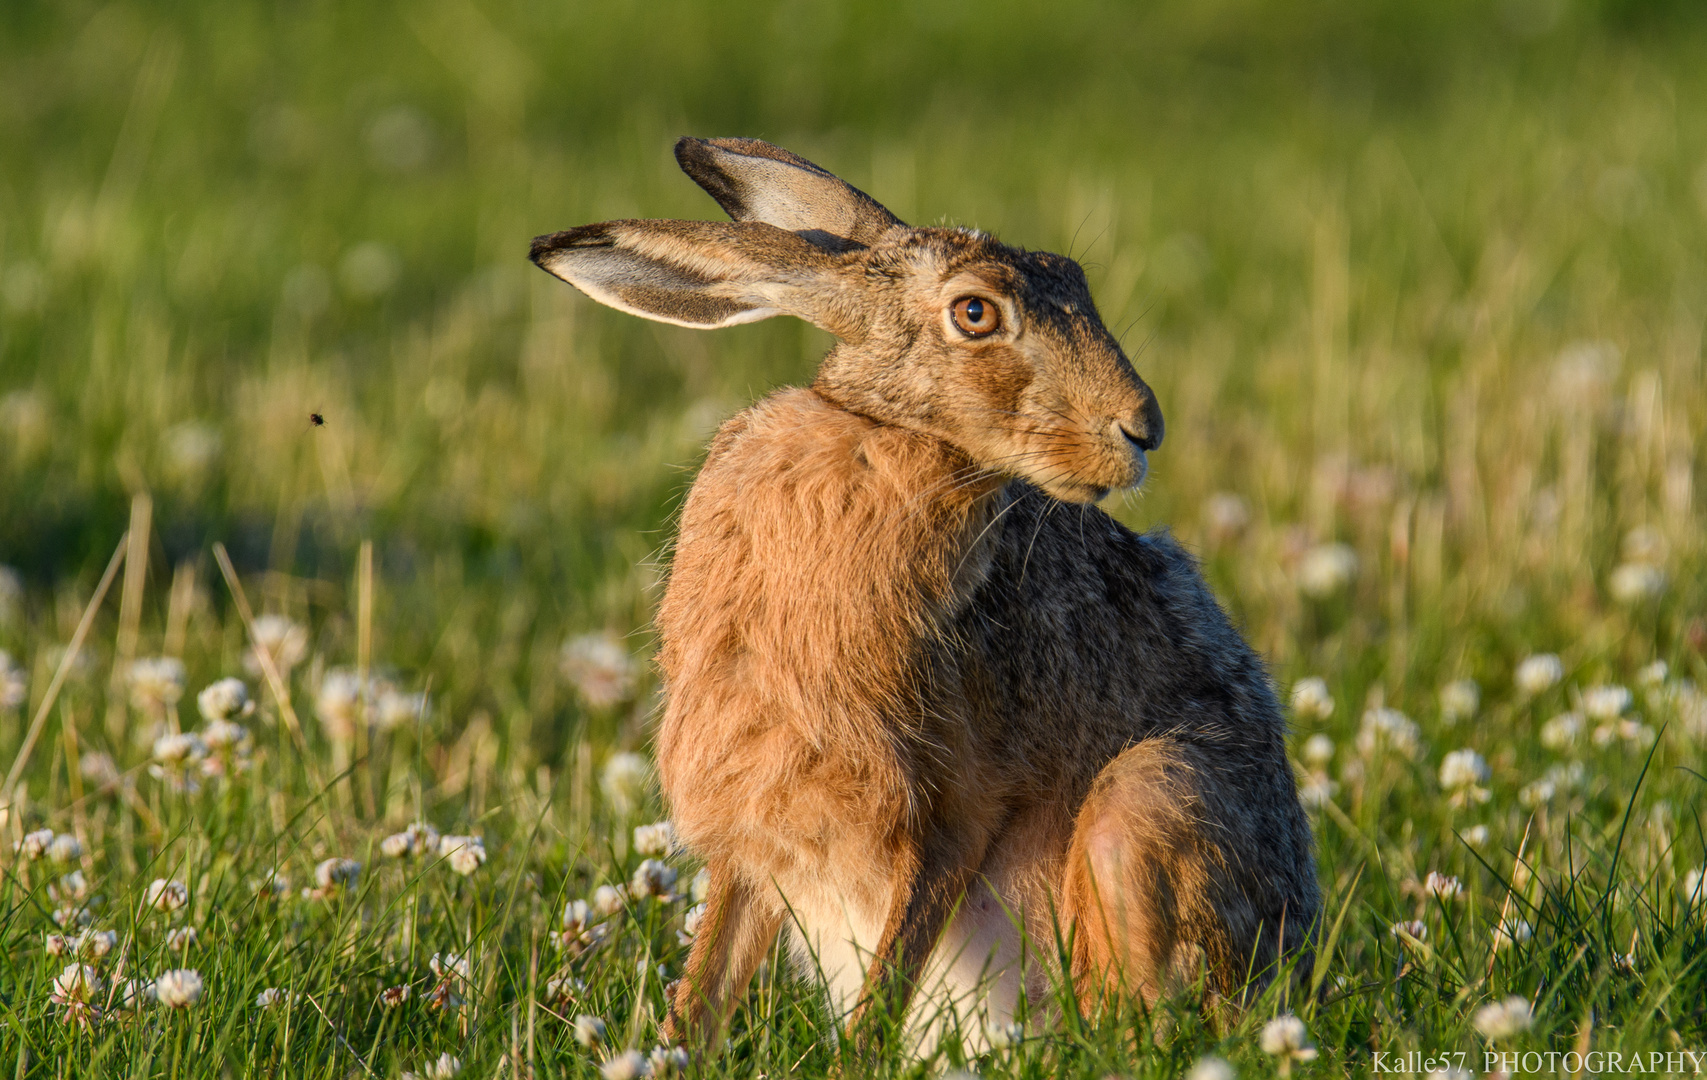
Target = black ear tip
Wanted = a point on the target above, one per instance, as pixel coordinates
(543, 247)
(690, 150)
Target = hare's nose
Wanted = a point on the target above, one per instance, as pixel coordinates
(1144, 430)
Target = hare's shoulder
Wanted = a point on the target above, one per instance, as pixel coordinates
(1080, 613)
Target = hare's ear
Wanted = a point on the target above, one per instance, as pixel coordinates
(755, 181)
(704, 274)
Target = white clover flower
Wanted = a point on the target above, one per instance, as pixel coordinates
(1563, 731)
(1463, 769)
(70, 887)
(564, 986)
(1607, 702)
(1387, 729)
(227, 699)
(1633, 583)
(589, 1030)
(577, 916)
(1442, 886)
(181, 938)
(286, 642)
(1210, 1067)
(1502, 1019)
(700, 888)
(76, 985)
(56, 944)
(1225, 515)
(99, 769)
(1476, 836)
(179, 988)
(339, 702)
(1316, 790)
(14, 680)
(665, 1061)
(156, 683)
(443, 1067)
(652, 878)
(1634, 733)
(225, 738)
(600, 668)
(418, 839)
(628, 1065)
(1409, 930)
(65, 848)
(657, 839)
(135, 993)
(1538, 673)
(1311, 700)
(1652, 676)
(1326, 569)
(179, 750)
(34, 844)
(465, 854)
(448, 965)
(1537, 792)
(272, 997)
(691, 921)
(609, 899)
(337, 873)
(95, 944)
(393, 996)
(626, 780)
(1515, 932)
(163, 895)
(273, 885)
(1459, 700)
(1002, 1035)
(1287, 1038)
(1318, 751)
(395, 709)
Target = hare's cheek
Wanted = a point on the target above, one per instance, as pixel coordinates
(1000, 379)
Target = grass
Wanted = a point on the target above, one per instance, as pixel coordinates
(1425, 280)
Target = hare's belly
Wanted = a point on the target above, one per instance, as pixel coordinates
(833, 935)
(973, 979)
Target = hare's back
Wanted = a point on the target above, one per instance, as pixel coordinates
(1086, 637)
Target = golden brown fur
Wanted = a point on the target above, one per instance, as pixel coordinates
(924, 699)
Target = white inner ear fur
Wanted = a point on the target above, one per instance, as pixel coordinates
(598, 271)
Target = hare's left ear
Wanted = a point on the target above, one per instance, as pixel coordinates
(755, 181)
(706, 274)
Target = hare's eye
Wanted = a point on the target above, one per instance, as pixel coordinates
(976, 317)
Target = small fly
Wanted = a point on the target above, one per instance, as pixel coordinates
(316, 420)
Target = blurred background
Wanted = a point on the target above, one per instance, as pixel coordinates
(1420, 285)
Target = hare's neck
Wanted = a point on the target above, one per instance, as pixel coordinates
(819, 553)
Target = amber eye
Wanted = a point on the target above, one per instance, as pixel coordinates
(976, 317)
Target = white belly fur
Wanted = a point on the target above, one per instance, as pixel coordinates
(972, 980)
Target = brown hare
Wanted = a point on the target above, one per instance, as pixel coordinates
(925, 702)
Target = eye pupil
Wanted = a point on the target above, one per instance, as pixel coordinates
(975, 317)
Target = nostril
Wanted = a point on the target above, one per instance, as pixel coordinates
(1144, 441)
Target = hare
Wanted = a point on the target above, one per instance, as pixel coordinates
(926, 705)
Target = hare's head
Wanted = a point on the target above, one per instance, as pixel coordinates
(997, 350)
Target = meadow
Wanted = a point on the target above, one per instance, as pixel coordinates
(1421, 288)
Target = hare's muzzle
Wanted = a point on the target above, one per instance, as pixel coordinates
(1142, 433)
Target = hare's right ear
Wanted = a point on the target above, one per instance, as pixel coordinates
(705, 274)
(755, 181)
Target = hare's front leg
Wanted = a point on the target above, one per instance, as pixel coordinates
(738, 927)
(931, 882)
